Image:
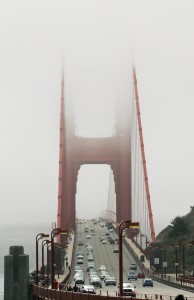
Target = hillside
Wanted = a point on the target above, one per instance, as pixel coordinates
(176, 244)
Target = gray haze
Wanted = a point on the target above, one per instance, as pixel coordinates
(98, 40)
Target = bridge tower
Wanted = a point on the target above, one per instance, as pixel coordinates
(76, 151)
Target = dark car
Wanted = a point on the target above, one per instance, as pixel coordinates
(115, 250)
(112, 242)
(148, 282)
(129, 289)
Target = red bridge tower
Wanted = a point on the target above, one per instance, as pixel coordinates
(76, 151)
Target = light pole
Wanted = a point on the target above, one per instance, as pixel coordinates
(48, 259)
(176, 260)
(124, 224)
(38, 237)
(176, 257)
(54, 233)
(44, 242)
(146, 242)
(183, 245)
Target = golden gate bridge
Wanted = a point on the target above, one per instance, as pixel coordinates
(123, 152)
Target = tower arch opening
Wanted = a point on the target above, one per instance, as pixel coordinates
(92, 190)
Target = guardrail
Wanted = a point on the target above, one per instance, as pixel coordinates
(50, 294)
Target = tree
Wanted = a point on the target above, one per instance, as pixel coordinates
(178, 227)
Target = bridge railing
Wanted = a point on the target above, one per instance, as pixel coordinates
(51, 294)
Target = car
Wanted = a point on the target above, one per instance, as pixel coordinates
(133, 266)
(89, 251)
(115, 250)
(103, 274)
(90, 257)
(80, 261)
(91, 266)
(79, 252)
(80, 243)
(78, 268)
(102, 268)
(111, 230)
(111, 241)
(92, 276)
(89, 247)
(140, 275)
(129, 289)
(148, 282)
(88, 237)
(79, 273)
(102, 237)
(80, 256)
(88, 289)
(79, 280)
(132, 275)
(95, 281)
(92, 272)
(110, 280)
(104, 242)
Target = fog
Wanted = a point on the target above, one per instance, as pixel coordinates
(97, 42)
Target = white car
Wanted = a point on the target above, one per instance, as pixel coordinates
(102, 268)
(95, 281)
(133, 266)
(79, 280)
(109, 280)
(78, 268)
(132, 275)
(88, 289)
(104, 242)
(129, 289)
(78, 274)
(103, 274)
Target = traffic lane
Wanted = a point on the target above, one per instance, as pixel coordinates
(103, 254)
(160, 289)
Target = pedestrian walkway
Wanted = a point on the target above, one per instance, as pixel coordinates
(138, 253)
(68, 258)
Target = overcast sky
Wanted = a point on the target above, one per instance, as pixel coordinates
(97, 40)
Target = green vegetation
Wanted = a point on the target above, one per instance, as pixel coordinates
(178, 236)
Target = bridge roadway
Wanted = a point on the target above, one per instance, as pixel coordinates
(103, 254)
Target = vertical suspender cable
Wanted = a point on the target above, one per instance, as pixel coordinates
(143, 158)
